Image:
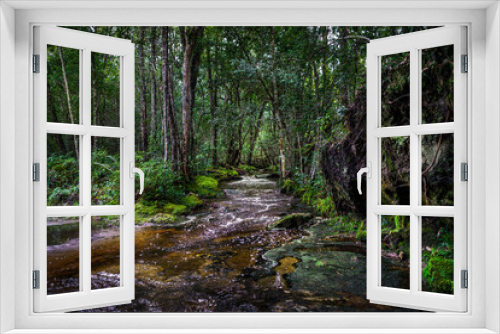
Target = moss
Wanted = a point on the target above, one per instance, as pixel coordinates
(288, 187)
(175, 209)
(204, 186)
(247, 168)
(163, 218)
(192, 201)
(147, 209)
(158, 212)
(438, 275)
(223, 174)
(290, 221)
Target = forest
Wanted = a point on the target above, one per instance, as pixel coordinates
(216, 103)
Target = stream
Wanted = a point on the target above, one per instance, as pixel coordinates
(225, 259)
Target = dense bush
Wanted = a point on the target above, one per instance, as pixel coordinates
(161, 181)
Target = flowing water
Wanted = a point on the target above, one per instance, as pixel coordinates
(225, 259)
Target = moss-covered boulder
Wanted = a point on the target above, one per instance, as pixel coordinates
(294, 220)
(163, 218)
(175, 209)
(204, 186)
(192, 201)
(224, 174)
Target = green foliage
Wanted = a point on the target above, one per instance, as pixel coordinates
(105, 178)
(289, 186)
(349, 224)
(191, 201)
(438, 274)
(161, 181)
(312, 193)
(63, 180)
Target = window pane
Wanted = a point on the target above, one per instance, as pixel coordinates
(437, 254)
(395, 246)
(63, 85)
(63, 255)
(105, 252)
(395, 92)
(437, 169)
(105, 171)
(437, 84)
(63, 170)
(395, 171)
(105, 89)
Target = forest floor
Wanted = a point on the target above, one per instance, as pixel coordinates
(239, 253)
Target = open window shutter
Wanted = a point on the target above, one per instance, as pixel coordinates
(80, 283)
(422, 133)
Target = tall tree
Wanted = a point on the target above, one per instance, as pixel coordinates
(276, 105)
(153, 133)
(212, 87)
(68, 98)
(168, 103)
(190, 37)
(142, 90)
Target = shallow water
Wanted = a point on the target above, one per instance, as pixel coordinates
(223, 259)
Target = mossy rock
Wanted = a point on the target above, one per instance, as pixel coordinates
(150, 210)
(192, 201)
(248, 169)
(163, 218)
(204, 186)
(175, 209)
(291, 221)
(223, 174)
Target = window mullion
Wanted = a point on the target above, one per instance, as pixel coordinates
(86, 170)
(414, 166)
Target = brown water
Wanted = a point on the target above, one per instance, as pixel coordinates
(224, 259)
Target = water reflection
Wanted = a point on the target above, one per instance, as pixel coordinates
(224, 259)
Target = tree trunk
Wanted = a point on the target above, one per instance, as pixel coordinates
(164, 72)
(142, 90)
(68, 99)
(276, 110)
(153, 133)
(255, 134)
(189, 36)
(58, 137)
(213, 105)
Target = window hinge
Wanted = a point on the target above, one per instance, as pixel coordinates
(464, 171)
(36, 63)
(36, 279)
(36, 172)
(465, 64)
(465, 279)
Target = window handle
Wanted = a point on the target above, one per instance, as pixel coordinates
(368, 171)
(133, 171)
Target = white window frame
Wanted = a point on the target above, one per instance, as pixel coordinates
(484, 103)
(414, 44)
(85, 43)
